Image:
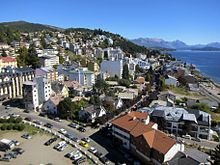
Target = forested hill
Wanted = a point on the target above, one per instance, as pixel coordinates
(9, 31)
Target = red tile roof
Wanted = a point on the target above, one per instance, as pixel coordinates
(8, 59)
(133, 123)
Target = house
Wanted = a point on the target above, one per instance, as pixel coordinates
(166, 95)
(176, 119)
(116, 101)
(190, 156)
(139, 80)
(49, 60)
(47, 72)
(91, 112)
(136, 133)
(50, 106)
(59, 89)
(169, 80)
(112, 68)
(8, 62)
(82, 75)
(126, 95)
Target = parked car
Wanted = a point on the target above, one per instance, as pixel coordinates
(18, 150)
(62, 131)
(57, 119)
(98, 154)
(38, 122)
(16, 142)
(50, 141)
(73, 125)
(27, 111)
(75, 139)
(8, 107)
(77, 155)
(92, 150)
(86, 139)
(48, 125)
(27, 118)
(187, 136)
(196, 139)
(62, 147)
(104, 160)
(60, 144)
(26, 136)
(81, 129)
(7, 158)
(12, 154)
(84, 144)
(69, 154)
(80, 160)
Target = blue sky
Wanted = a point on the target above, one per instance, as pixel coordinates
(192, 21)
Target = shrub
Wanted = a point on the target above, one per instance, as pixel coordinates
(21, 127)
(3, 127)
(9, 127)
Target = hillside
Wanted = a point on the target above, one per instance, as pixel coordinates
(28, 27)
(126, 45)
(21, 26)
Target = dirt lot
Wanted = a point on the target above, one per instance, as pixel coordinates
(35, 151)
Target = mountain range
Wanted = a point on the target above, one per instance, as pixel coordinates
(177, 44)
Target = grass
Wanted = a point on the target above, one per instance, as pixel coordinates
(182, 91)
(28, 129)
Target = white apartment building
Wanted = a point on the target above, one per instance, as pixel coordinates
(112, 68)
(49, 60)
(36, 92)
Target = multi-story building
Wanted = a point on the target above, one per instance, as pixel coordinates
(49, 60)
(179, 121)
(36, 92)
(112, 68)
(136, 133)
(11, 80)
(84, 76)
(7, 62)
(47, 72)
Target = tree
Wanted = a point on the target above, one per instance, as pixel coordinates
(4, 53)
(215, 155)
(61, 59)
(125, 73)
(101, 86)
(124, 82)
(65, 108)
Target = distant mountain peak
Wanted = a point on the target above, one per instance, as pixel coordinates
(176, 44)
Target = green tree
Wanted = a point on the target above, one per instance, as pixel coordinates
(124, 82)
(61, 59)
(125, 73)
(215, 155)
(4, 53)
(22, 57)
(101, 86)
(65, 108)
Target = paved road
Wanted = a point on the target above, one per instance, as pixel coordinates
(204, 143)
(209, 94)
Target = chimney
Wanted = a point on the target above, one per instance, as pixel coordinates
(134, 118)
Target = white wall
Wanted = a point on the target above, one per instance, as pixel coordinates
(172, 152)
(112, 67)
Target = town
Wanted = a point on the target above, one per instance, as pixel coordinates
(93, 97)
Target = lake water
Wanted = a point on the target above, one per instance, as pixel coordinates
(207, 62)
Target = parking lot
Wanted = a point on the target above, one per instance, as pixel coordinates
(35, 146)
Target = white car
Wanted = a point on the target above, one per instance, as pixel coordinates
(63, 131)
(60, 144)
(92, 150)
(187, 136)
(63, 147)
(86, 139)
(77, 155)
